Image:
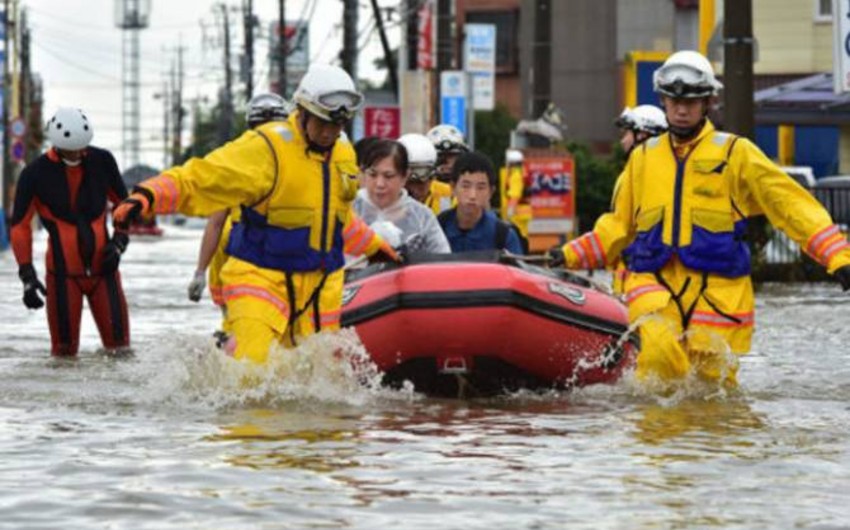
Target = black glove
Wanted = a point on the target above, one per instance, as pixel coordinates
(556, 256)
(843, 277)
(31, 287)
(112, 252)
(382, 256)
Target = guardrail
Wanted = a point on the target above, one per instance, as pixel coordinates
(783, 259)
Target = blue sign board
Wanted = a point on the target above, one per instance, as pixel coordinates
(453, 105)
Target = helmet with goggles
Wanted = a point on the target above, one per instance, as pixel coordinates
(421, 156)
(447, 139)
(266, 107)
(328, 92)
(687, 75)
(69, 129)
(643, 118)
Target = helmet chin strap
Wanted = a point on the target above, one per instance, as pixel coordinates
(72, 163)
(686, 133)
(311, 145)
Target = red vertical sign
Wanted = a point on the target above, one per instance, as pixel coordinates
(425, 46)
(383, 122)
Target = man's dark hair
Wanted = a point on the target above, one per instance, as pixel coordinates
(383, 148)
(473, 162)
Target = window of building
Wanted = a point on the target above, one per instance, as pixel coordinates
(823, 10)
(507, 28)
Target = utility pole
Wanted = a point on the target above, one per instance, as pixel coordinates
(177, 106)
(226, 121)
(349, 38)
(248, 17)
(282, 49)
(349, 44)
(738, 68)
(5, 177)
(388, 55)
(445, 42)
(541, 73)
(411, 12)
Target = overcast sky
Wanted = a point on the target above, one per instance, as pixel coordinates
(76, 49)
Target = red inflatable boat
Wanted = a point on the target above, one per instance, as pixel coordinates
(470, 325)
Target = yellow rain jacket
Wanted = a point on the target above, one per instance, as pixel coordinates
(680, 224)
(440, 197)
(214, 282)
(284, 271)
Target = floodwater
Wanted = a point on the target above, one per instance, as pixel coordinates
(171, 437)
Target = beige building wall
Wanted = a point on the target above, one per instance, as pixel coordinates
(790, 39)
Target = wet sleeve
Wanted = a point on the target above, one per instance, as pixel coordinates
(239, 172)
(613, 231)
(762, 187)
(22, 212)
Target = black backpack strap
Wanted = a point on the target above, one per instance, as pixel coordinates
(502, 229)
(443, 217)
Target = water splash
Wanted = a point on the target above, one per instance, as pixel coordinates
(326, 367)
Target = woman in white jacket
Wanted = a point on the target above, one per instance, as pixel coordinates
(385, 168)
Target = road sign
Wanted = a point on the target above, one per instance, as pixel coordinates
(453, 99)
(18, 127)
(480, 61)
(17, 150)
(383, 122)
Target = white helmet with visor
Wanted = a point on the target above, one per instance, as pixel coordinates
(447, 139)
(328, 92)
(686, 74)
(643, 118)
(264, 108)
(421, 156)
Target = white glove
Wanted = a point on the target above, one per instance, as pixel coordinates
(196, 286)
(388, 231)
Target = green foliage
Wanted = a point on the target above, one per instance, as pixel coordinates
(205, 130)
(493, 133)
(596, 176)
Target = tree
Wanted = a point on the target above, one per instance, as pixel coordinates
(595, 182)
(493, 132)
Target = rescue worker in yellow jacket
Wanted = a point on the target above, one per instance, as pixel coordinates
(295, 181)
(449, 143)
(517, 206)
(636, 125)
(679, 218)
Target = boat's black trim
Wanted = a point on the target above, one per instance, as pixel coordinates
(481, 298)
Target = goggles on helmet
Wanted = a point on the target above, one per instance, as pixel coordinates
(679, 89)
(448, 146)
(339, 106)
(421, 173)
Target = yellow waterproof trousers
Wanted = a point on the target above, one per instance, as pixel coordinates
(690, 322)
(258, 307)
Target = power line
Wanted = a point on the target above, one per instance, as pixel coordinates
(74, 64)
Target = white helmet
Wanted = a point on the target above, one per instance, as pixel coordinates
(686, 74)
(643, 118)
(265, 107)
(421, 156)
(447, 139)
(69, 129)
(514, 156)
(328, 92)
